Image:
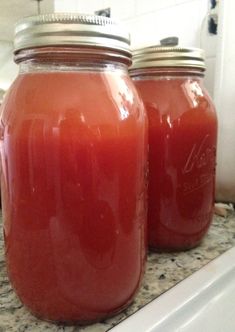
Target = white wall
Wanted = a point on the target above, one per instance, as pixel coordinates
(225, 102)
(8, 69)
(149, 20)
(155, 20)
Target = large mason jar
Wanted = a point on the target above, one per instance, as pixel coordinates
(73, 159)
(182, 144)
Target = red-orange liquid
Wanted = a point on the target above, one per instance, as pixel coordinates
(182, 145)
(73, 155)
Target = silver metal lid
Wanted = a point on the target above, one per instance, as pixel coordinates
(59, 29)
(168, 56)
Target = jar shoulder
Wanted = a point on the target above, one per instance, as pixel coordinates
(176, 97)
(89, 97)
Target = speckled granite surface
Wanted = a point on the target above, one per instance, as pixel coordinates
(162, 272)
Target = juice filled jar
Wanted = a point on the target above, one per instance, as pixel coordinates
(182, 144)
(73, 159)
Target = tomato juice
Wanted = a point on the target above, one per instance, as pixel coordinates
(73, 151)
(182, 148)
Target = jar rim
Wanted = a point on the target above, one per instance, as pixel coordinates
(71, 29)
(169, 57)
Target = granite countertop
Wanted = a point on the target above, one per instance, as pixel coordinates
(162, 272)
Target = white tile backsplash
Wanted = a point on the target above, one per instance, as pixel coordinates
(147, 6)
(87, 6)
(8, 69)
(182, 20)
(68, 6)
(208, 41)
(166, 17)
(122, 9)
(209, 79)
(148, 21)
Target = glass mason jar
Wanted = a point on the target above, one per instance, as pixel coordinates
(182, 144)
(73, 154)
